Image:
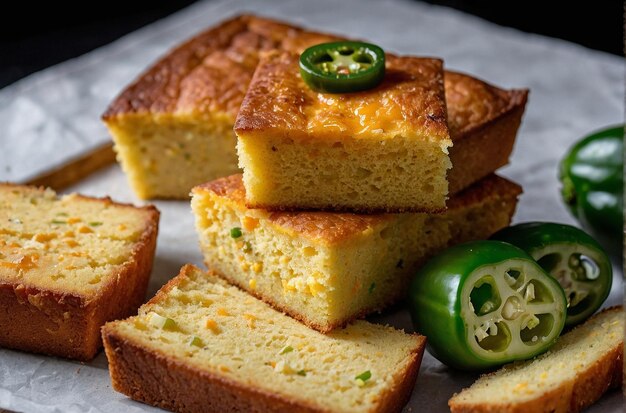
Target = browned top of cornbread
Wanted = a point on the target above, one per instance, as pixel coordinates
(410, 98)
(332, 227)
(473, 103)
(211, 71)
(71, 245)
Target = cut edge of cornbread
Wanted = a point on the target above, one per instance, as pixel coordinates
(161, 366)
(148, 163)
(583, 375)
(380, 150)
(66, 322)
(327, 268)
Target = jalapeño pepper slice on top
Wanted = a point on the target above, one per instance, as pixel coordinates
(342, 67)
(572, 257)
(486, 303)
(592, 174)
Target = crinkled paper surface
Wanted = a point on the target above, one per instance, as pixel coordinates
(53, 116)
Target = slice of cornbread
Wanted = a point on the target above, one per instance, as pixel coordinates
(172, 127)
(201, 345)
(383, 149)
(67, 265)
(582, 365)
(327, 268)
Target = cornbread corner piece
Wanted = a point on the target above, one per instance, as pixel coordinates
(201, 345)
(576, 372)
(384, 149)
(172, 126)
(483, 121)
(327, 268)
(67, 265)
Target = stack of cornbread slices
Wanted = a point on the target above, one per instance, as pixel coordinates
(342, 198)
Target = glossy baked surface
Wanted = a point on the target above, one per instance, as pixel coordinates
(409, 102)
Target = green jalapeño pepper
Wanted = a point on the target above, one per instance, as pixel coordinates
(592, 174)
(572, 257)
(486, 303)
(342, 67)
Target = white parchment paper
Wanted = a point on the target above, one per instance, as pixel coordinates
(54, 115)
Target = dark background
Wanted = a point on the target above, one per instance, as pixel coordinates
(36, 35)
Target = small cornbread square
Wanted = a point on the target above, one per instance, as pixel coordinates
(584, 363)
(201, 345)
(383, 149)
(67, 265)
(327, 268)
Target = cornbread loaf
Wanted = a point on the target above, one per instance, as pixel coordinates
(582, 365)
(172, 126)
(327, 268)
(383, 149)
(67, 265)
(201, 345)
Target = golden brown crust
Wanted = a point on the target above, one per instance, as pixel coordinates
(571, 396)
(473, 102)
(411, 98)
(211, 71)
(483, 121)
(159, 380)
(336, 226)
(149, 376)
(68, 325)
(330, 226)
(394, 402)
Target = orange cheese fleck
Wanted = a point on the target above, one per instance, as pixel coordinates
(212, 325)
(44, 237)
(249, 223)
(85, 230)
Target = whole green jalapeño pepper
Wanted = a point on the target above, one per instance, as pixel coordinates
(592, 174)
(486, 303)
(572, 257)
(342, 67)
